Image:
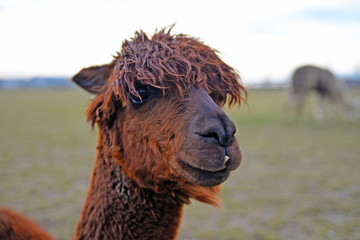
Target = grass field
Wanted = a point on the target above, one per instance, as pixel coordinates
(298, 180)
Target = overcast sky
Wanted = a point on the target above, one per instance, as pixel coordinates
(262, 39)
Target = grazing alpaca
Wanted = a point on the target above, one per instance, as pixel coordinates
(310, 78)
(163, 137)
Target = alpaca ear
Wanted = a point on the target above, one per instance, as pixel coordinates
(93, 79)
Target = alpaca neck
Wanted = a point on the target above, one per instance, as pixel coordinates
(117, 208)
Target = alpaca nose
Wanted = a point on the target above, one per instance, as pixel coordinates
(221, 130)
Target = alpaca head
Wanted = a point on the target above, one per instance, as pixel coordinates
(158, 109)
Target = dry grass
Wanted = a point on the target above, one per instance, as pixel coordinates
(297, 180)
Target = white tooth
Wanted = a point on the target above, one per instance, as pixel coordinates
(226, 158)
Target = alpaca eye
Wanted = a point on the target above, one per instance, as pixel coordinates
(145, 93)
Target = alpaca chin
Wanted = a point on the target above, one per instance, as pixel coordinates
(209, 177)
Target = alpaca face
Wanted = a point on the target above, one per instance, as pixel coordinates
(158, 108)
(188, 138)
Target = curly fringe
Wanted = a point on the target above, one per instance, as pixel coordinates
(176, 62)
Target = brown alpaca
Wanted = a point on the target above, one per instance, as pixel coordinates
(163, 137)
(14, 226)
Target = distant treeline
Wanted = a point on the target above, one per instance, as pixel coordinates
(65, 82)
(37, 82)
(352, 80)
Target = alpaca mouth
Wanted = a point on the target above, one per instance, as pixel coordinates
(206, 177)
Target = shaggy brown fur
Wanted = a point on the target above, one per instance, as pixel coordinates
(14, 226)
(163, 137)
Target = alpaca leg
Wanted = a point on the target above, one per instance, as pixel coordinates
(319, 109)
(352, 110)
(299, 101)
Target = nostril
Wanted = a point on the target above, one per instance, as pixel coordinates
(216, 130)
(224, 138)
(232, 134)
(220, 137)
(212, 135)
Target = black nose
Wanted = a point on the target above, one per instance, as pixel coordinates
(220, 129)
